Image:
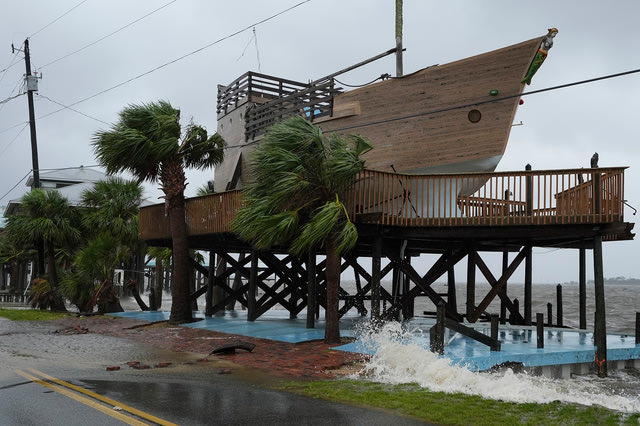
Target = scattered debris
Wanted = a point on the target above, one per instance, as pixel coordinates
(132, 363)
(162, 365)
(140, 366)
(113, 368)
(225, 371)
(230, 348)
(72, 330)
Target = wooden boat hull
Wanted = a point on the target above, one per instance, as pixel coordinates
(421, 123)
(450, 118)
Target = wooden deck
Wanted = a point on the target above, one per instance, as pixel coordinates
(499, 201)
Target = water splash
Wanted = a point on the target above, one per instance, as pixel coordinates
(398, 359)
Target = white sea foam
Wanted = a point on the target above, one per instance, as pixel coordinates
(398, 360)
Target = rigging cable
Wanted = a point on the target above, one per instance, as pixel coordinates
(533, 92)
(382, 77)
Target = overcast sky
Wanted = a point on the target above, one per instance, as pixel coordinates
(562, 128)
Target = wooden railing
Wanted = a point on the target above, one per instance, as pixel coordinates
(473, 199)
(311, 102)
(501, 198)
(250, 85)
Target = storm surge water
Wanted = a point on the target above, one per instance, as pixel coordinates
(397, 360)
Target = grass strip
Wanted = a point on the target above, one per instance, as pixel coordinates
(457, 409)
(30, 314)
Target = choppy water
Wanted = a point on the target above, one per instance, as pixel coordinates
(398, 361)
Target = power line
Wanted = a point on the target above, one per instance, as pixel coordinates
(181, 57)
(58, 18)
(4, 101)
(14, 139)
(74, 110)
(12, 63)
(16, 185)
(13, 127)
(108, 35)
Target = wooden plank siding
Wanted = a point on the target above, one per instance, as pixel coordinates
(428, 137)
(557, 197)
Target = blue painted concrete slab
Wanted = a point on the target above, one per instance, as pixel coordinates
(519, 344)
(274, 325)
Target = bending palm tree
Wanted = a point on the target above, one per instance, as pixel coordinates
(149, 142)
(298, 177)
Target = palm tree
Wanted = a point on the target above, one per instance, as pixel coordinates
(298, 178)
(111, 217)
(149, 142)
(45, 216)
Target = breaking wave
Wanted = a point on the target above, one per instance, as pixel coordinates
(397, 359)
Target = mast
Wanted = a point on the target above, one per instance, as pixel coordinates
(398, 38)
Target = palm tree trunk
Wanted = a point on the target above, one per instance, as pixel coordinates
(173, 184)
(57, 303)
(332, 273)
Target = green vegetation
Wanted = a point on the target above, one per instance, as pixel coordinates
(149, 142)
(294, 197)
(30, 314)
(457, 409)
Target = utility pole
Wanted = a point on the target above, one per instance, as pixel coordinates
(32, 86)
(398, 38)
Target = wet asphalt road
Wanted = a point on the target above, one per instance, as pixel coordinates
(186, 393)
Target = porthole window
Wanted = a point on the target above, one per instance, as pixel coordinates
(474, 116)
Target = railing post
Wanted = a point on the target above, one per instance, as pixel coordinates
(528, 191)
(550, 314)
(596, 195)
(637, 328)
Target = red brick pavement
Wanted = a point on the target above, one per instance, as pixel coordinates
(288, 360)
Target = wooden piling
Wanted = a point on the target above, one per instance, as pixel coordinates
(253, 285)
(436, 333)
(376, 274)
(559, 305)
(451, 286)
(583, 288)
(495, 320)
(471, 284)
(208, 298)
(600, 325)
(311, 290)
(540, 330)
(528, 285)
(637, 328)
(550, 314)
(503, 306)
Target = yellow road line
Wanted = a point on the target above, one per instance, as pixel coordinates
(106, 400)
(86, 401)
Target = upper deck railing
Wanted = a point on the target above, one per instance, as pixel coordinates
(471, 199)
(275, 100)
